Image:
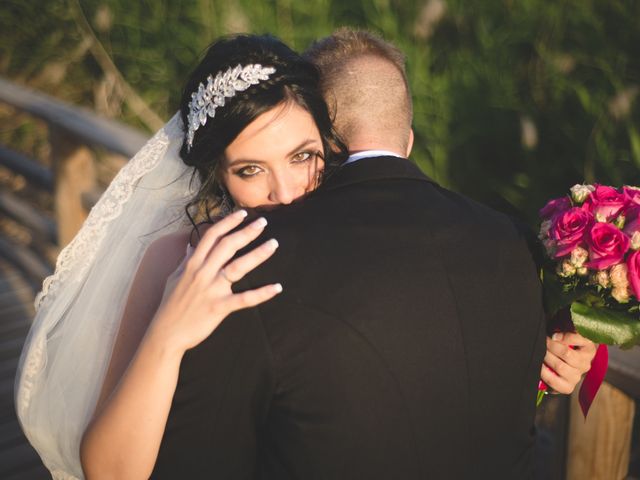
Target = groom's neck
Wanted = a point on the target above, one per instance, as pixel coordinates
(363, 144)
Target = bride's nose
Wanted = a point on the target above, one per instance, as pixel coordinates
(284, 189)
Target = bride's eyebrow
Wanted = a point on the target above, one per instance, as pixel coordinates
(303, 144)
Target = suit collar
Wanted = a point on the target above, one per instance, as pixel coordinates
(374, 168)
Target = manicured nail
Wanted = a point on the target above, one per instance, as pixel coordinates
(271, 244)
(557, 337)
(259, 223)
(277, 287)
(241, 213)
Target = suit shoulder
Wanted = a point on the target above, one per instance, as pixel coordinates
(477, 216)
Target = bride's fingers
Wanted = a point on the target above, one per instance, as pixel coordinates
(251, 298)
(237, 269)
(576, 358)
(563, 370)
(556, 383)
(213, 234)
(227, 247)
(574, 339)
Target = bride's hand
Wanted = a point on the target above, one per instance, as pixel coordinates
(568, 358)
(203, 297)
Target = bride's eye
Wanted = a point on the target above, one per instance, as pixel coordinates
(302, 157)
(248, 171)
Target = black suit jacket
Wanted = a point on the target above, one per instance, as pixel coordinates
(407, 344)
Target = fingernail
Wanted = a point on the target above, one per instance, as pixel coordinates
(241, 213)
(277, 287)
(259, 223)
(271, 244)
(556, 336)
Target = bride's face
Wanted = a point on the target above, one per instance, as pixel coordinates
(275, 160)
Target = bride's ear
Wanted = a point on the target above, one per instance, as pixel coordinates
(410, 143)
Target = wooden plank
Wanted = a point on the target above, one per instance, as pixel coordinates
(14, 310)
(599, 447)
(25, 260)
(29, 217)
(18, 458)
(7, 409)
(75, 175)
(35, 472)
(10, 433)
(624, 370)
(10, 347)
(83, 124)
(6, 385)
(8, 367)
(8, 297)
(552, 419)
(14, 327)
(30, 169)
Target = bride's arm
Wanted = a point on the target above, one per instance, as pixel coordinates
(124, 437)
(160, 259)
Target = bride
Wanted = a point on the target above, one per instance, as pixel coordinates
(105, 347)
(131, 294)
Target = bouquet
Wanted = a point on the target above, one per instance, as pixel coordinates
(591, 238)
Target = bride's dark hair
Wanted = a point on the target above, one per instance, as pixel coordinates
(295, 80)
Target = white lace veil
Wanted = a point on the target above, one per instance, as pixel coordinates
(64, 359)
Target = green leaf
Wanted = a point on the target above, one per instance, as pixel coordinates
(603, 325)
(555, 295)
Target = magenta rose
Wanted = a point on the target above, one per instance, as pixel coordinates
(554, 207)
(605, 203)
(632, 221)
(632, 195)
(633, 266)
(607, 245)
(569, 228)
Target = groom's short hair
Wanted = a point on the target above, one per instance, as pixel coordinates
(364, 81)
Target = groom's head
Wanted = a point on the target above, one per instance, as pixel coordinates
(365, 85)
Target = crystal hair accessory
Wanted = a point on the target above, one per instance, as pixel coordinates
(225, 85)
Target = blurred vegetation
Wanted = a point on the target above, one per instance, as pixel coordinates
(515, 101)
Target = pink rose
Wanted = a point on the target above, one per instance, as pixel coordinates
(632, 195)
(605, 203)
(607, 245)
(633, 266)
(554, 207)
(632, 220)
(569, 228)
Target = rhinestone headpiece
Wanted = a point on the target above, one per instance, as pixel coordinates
(225, 85)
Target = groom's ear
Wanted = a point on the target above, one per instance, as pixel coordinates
(410, 143)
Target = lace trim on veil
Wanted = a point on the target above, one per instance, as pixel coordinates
(80, 252)
(78, 255)
(62, 475)
(64, 355)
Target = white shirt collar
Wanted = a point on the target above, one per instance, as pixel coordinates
(354, 157)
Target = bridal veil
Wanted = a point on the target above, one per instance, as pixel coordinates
(67, 351)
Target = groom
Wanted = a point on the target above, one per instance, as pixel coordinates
(407, 342)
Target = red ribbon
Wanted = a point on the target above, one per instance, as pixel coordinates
(593, 379)
(591, 383)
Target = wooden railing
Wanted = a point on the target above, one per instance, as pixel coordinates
(74, 132)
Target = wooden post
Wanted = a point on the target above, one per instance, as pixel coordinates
(599, 447)
(74, 174)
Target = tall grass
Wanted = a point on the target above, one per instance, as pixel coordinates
(514, 100)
